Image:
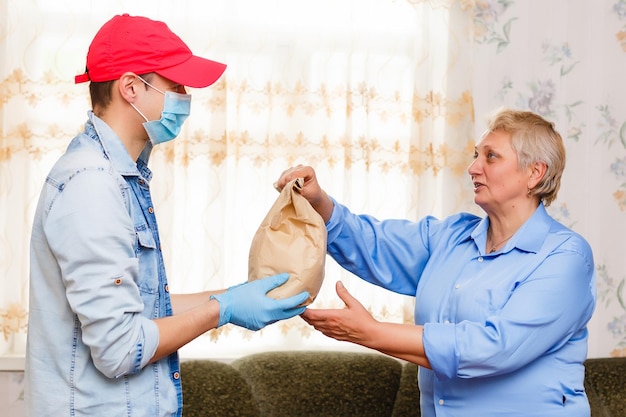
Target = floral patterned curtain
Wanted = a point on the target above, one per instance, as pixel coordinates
(374, 93)
(379, 95)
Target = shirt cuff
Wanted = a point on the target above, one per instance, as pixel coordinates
(439, 341)
(333, 225)
(150, 343)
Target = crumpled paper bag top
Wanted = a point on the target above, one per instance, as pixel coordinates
(291, 238)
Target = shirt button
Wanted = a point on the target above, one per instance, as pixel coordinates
(457, 286)
(480, 259)
(167, 288)
(118, 281)
(150, 210)
(441, 402)
(176, 375)
(446, 322)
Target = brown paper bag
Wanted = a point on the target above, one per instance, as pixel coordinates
(292, 239)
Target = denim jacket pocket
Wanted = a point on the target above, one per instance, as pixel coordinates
(145, 250)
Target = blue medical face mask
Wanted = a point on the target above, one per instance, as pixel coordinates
(176, 109)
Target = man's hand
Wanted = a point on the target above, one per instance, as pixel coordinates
(247, 305)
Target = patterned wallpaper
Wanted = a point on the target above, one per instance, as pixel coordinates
(566, 59)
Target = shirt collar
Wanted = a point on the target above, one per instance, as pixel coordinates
(116, 152)
(528, 238)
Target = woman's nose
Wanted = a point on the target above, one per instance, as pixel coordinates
(473, 167)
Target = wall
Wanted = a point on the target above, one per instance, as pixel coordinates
(11, 394)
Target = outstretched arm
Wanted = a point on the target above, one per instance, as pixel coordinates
(180, 329)
(245, 305)
(184, 302)
(356, 325)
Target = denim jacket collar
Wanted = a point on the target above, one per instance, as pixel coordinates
(115, 150)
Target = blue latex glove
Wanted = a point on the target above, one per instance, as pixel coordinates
(247, 304)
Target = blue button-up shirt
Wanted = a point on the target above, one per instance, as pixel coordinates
(97, 282)
(505, 332)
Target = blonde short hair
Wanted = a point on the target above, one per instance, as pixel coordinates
(534, 139)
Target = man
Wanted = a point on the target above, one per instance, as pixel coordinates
(103, 328)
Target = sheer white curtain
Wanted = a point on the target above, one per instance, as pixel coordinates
(375, 94)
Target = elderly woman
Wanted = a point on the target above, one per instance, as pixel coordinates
(502, 302)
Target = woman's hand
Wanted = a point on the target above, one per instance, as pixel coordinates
(350, 324)
(311, 189)
(356, 325)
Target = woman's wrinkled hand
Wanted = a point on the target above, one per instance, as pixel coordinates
(353, 323)
(311, 190)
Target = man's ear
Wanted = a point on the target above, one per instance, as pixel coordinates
(537, 172)
(127, 86)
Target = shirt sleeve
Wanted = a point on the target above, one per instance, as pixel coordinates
(545, 310)
(390, 253)
(93, 238)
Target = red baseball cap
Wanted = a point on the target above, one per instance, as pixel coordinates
(141, 45)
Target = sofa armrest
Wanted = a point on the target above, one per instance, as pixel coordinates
(604, 383)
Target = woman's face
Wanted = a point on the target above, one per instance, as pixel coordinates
(498, 181)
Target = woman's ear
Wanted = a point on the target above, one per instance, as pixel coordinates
(537, 172)
(127, 86)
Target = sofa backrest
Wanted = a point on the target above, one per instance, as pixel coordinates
(303, 384)
(328, 384)
(322, 384)
(215, 389)
(408, 397)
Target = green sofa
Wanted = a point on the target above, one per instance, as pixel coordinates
(330, 384)
(605, 383)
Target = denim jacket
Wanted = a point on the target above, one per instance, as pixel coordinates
(97, 281)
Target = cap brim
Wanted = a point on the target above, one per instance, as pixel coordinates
(196, 72)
